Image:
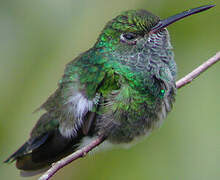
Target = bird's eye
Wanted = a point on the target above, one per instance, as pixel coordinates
(129, 38)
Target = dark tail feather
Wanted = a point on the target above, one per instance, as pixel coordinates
(20, 151)
(53, 148)
(27, 147)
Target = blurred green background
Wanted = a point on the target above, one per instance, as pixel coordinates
(37, 39)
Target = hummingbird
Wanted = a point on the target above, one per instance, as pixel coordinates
(122, 88)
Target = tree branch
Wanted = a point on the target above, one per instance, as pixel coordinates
(196, 72)
(83, 151)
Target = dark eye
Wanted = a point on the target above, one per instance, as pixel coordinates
(129, 38)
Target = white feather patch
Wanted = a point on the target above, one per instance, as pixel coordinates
(68, 132)
(78, 106)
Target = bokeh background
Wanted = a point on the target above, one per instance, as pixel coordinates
(37, 39)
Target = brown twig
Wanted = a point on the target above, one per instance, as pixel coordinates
(196, 72)
(83, 151)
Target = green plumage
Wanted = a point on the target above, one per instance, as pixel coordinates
(122, 88)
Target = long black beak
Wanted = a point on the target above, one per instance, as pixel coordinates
(166, 22)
